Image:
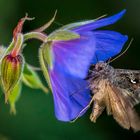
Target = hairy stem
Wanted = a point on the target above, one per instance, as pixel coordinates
(35, 35)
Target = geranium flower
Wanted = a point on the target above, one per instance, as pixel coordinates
(66, 56)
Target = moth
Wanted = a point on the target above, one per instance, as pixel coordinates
(117, 91)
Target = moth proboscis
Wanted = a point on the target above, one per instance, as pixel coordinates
(117, 90)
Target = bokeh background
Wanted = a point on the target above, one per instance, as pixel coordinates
(35, 117)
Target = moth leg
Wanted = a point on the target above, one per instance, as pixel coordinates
(96, 111)
(99, 100)
(84, 109)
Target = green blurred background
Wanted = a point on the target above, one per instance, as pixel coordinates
(35, 114)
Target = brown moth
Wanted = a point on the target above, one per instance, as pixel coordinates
(117, 90)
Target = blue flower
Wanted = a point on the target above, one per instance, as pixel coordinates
(67, 55)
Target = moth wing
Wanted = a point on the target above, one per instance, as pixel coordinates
(118, 111)
(122, 108)
(127, 86)
(132, 98)
(129, 101)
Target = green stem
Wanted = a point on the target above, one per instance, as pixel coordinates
(31, 35)
(18, 44)
(35, 35)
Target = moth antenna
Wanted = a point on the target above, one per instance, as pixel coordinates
(123, 51)
(83, 110)
(45, 26)
(108, 61)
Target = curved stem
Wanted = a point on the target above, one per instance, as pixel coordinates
(35, 35)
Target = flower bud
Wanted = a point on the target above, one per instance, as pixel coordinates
(11, 69)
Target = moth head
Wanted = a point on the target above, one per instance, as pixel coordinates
(100, 66)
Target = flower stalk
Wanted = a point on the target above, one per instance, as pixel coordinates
(18, 45)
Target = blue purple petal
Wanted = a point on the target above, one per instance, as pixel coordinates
(70, 94)
(75, 56)
(108, 44)
(99, 23)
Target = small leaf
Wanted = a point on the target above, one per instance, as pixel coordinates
(31, 79)
(14, 96)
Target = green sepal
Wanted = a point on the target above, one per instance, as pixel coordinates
(14, 96)
(48, 55)
(62, 35)
(32, 79)
(44, 67)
